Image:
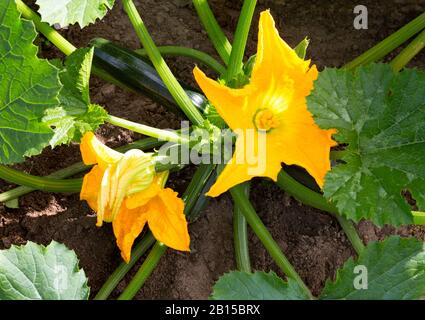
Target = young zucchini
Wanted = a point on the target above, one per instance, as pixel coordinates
(130, 70)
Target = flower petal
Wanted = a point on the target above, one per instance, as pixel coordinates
(274, 56)
(303, 144)
(127, 225)
(229, 103)
(93, 151)
(143, 197)
(235, 172)
(167, 221)
(91, 186)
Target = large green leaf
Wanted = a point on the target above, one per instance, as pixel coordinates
(28, 87)
(395, 271)
(75, 114)
(380, 115)
(43, 273)
(256, 286)
(66, 12)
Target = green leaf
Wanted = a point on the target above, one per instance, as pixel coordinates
(380, 115)
(75, 95)
(395, 271)
(69, 128)
(43, 273)
(75, 114)
(28, 87)
(66, 12)
(256, 286)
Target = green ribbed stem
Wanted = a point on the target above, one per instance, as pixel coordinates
(240, 199)
(240, 39)
(211, 26)
(161, 66)
(240, 236)
(405, 56)
(114, 279)
(144, 272)
(51, 34)
(39, 183)
(197, 55)
(389, 44)
(163, 135)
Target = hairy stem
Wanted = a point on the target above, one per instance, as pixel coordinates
(39, 183)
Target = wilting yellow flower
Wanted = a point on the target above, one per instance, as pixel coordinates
(125, 190)
(273, 105)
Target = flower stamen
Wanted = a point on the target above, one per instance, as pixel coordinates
(265, 120)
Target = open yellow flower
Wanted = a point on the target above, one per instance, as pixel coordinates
(125, 190)
(273, 106)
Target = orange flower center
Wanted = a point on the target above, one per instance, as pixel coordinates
(265, 120)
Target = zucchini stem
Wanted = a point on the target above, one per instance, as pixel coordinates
(211, 26)
(197, 55)
(51, 34)
(404, 57)
(265, 237)
(160, 134)
(390, 43)
(240, 39)
(114, 279)
(240, 236)
(161, 66)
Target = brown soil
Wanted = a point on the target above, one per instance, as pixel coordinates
(312, 240)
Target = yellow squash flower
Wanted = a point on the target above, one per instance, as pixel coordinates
(125, 190)
(273, 105)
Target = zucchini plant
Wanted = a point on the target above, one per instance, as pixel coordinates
(348, 141)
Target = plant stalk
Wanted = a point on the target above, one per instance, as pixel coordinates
(51, 34)
(144, 272)
(211, 26)
(161, 66)
(160, 134)
(405, 56)
(240, 236)
(114, 279)
(240, 39)
(194, 54)
(264, 235)
(390, 43)
(39, 183)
